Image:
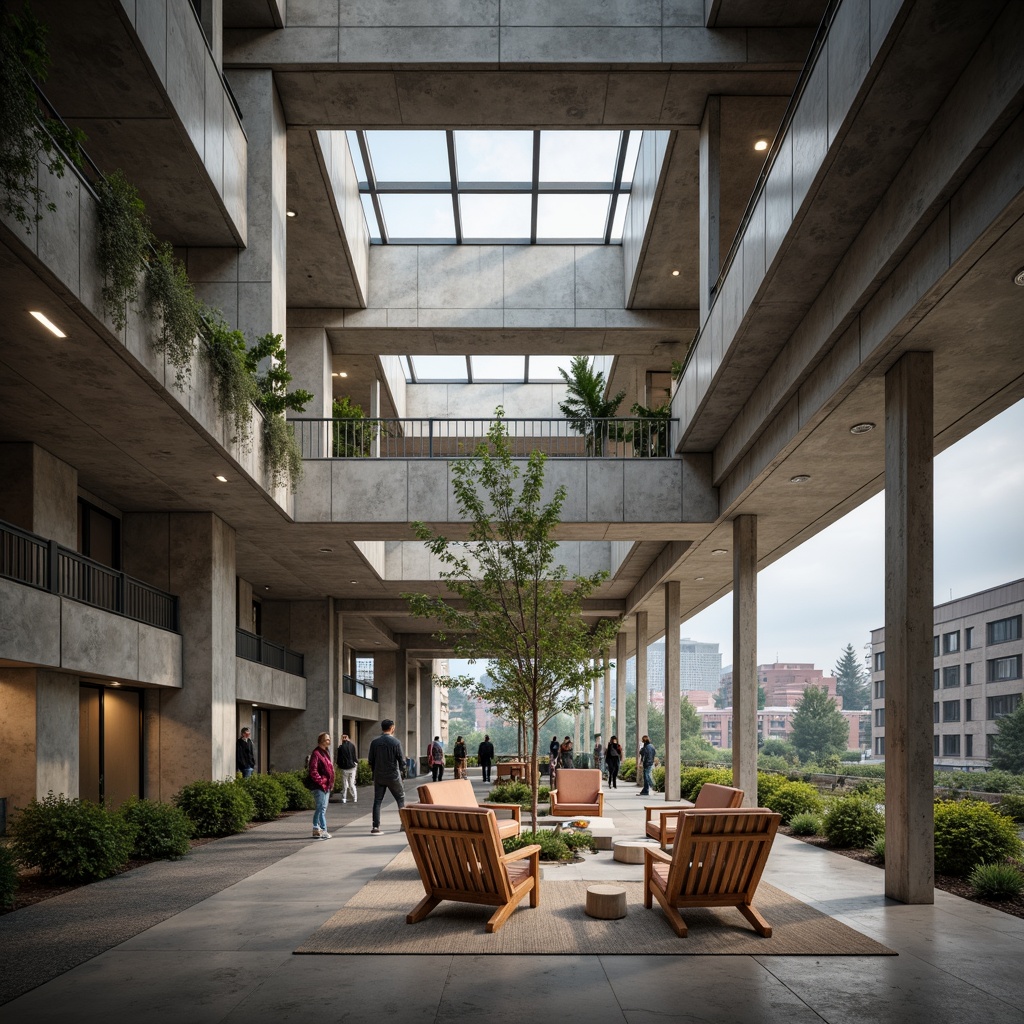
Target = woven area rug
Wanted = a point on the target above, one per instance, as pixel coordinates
(373, 921)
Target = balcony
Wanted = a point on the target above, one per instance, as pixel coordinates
(266, 652)
(359, 688)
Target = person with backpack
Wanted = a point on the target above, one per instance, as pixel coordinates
(460, 753)
(435, 758)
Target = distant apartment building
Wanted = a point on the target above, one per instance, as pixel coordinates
(976, 679)
(774, 723)
(700, 667)
(784, 683)
(698, 698)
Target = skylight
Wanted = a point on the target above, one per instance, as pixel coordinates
(511, 187)
(477, 369)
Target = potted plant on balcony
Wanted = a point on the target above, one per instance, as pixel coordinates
(585, 407)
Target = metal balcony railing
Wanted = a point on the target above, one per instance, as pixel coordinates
(608, 438)
(359, 687)
(266, 652)
(46, 565)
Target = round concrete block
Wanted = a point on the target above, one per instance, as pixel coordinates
(608, 902)
(602, 842)
(629, 851)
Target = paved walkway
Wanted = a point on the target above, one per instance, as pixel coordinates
(210, 939)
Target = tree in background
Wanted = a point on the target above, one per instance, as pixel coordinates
(1008, 743)
(515, 606)
(819, 729)
(852, 681)
(692, 746)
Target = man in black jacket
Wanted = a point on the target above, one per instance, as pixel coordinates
(348, 761)
(387, 762)
(245, 755)
(485, 755)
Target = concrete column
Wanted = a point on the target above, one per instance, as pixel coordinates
(909, 816)
(620, 687)
(401, 715)
(311, 633)
(588, 733)
(673, 683)
(710, 181)
(606, 707)
(388, 669)
(309, 363)
(744, 657)
(642, 694)
(39, 493)
(429, 728)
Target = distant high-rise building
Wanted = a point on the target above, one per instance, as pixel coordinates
(700, 666)
(784, 683)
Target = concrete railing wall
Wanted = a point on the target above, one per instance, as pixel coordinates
(269, 687)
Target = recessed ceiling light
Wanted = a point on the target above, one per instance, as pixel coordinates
(675, 273)
(335, 375)
(719, 551)
(342, 374)
(800, 478)
(266, 588)
(1018, 279)
(255, 705)
(353, 581)
(327, 549)
(115, 683)
(761, 145)
(290, 213)
(376, 643)
(697, 579)
(47, 323)
(861, 428)
(222, 479)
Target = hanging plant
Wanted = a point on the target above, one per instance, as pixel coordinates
(25, 131)
(234, 385)
(124, 244)
(171, 300)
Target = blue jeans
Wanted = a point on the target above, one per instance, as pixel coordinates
(320, 813)
(648, 780)
(246, 772)
(379, 789)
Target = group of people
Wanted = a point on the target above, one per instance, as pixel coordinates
(560, 755)
(436, 758)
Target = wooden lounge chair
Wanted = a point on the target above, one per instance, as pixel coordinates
(578, 791)
(710, 796)
(459, 793)
(459, 856)
(717, 861)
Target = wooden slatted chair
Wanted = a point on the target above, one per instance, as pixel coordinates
(459, 793)
(711, 795)
(717, 861)
(578, 791)
(459, 856)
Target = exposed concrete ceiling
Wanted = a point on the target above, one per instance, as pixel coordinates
(727, 13)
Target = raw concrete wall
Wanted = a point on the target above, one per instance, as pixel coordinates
(466, 401)
(269, 687)
(340, 171)
(39, 493)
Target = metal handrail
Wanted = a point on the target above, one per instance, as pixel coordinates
(618, 437)
(359, 688)
(254, 647)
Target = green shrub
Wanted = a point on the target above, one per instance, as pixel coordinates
(691, 780)
(658, 778)
(805, 824)
(268, 796)
(850, 757)
(511, 792)
(216, 808)
(73, 840)
(871, 789)
(968, 833)
(162, 831)
(298, 797)
(852, 821)
(865, 771)
(364, 776)
(627, 769)
(768, 783)
(8, 876)
(1012, 805)
(794, 798)
(552, 846)
(577, 841)
(878, 848)
(772, 763)
(997, 881)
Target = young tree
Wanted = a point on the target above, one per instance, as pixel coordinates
(819, 728)
(585, 406)
(515, 605)
(852, 681)
(1008, 743)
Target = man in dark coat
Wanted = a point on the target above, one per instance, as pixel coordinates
(485, 755)
(245, 755)
(387, 763)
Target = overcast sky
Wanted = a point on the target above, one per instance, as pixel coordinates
(830, 591)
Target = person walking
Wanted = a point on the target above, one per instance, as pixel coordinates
(554, 752)
(387, 763)
(321, 772)
(485, 755)
(598, 753)
(613, 758)
(647, 756)
(435, 758)
(245, 755)
(348, 762)
(459, 753)
(565, 754)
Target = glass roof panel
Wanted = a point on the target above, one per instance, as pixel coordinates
(371, 217)
(632, 152)
(490, 216)
(579, 217)
(408, 155)
(578, 156)
(419, 216)
(545, 368)
(492, 368)
(494, 156)
(357, 157)
(439, 368)
(619, 219)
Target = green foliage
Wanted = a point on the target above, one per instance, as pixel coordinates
(364, 776)
(8, 876)
(124, 244)
(997, 881)
(865, 771)
(850, 757)
(512, 792)
(650, 438)
(216, 808)
(274, 398)
(794, 798)
(577, 841)
(162, 831)
(73, 840)
(768, 783)
(852, 821)
(655, 722)
(351, 439)
(627, 769)
(819, 728)
(298, 797)
(1008, 742)
(771, 763)
(269, 797)
(805, 824)
(871, 789)
(25, 130)
(1012, 805)
(585, 403)
(281, 452)
(692, 779)
(968, 833)
(234, 384)
(171, 300)
(878, 848)
(552, 846)
(993, 781)
(852, 682)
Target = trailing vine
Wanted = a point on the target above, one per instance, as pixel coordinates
(124, 241)
(281, 451)
(25, 131)
(234, 386)
(172, 301)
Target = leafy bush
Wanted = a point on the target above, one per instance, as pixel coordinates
(216, 808)
(268, 796)
(511, 791)
(627, 769)
(878, 848)
(852, 821)
(871, 789)
(768, 783)
(850, 757)
(552, 846)
(74, 840)
(997, 881)
(968, 833)
(794, 798)
(8, 876)
(1012, 805)
(771, 763)
(162, 831)
(577, 841)
(364, 776)
(691, 780)
(865, 771)
(297, 796)
(658, 778)
(805, 824)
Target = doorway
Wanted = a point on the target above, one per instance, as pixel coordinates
(109, 744)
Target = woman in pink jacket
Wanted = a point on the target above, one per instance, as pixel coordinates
(321, 772)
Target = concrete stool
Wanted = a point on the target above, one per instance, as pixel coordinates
(629, 851)
(603, 839)
(608, 902)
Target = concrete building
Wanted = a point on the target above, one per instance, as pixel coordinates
(784, 683)
(977, 650)
(773, 723)
(814, 207)
(700, 666)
